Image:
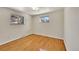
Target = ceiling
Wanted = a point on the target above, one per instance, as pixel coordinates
(41, 10)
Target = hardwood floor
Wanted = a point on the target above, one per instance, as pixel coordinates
(34, 43)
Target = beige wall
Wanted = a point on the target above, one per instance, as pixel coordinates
(71, 28)
(11, 32)
(55, 28)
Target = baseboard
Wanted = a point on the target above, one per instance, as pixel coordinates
(49, 36)
(28, 35)
(15, 39)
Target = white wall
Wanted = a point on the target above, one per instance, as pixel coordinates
(55, 28)
(71, 28)
(11, 32)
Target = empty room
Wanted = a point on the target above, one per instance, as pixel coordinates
(39, 29)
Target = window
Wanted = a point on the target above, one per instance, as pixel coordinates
(16, 19)
(45, 19)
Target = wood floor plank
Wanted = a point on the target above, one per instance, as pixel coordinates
(34, 43)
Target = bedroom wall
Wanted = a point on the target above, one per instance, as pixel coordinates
(71, 28)
(55, 28)
(11, 32)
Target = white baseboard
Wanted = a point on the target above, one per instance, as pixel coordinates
(14, 39)
(49, 35)
(29, 34)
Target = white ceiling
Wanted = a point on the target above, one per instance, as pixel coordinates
(41, 10)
